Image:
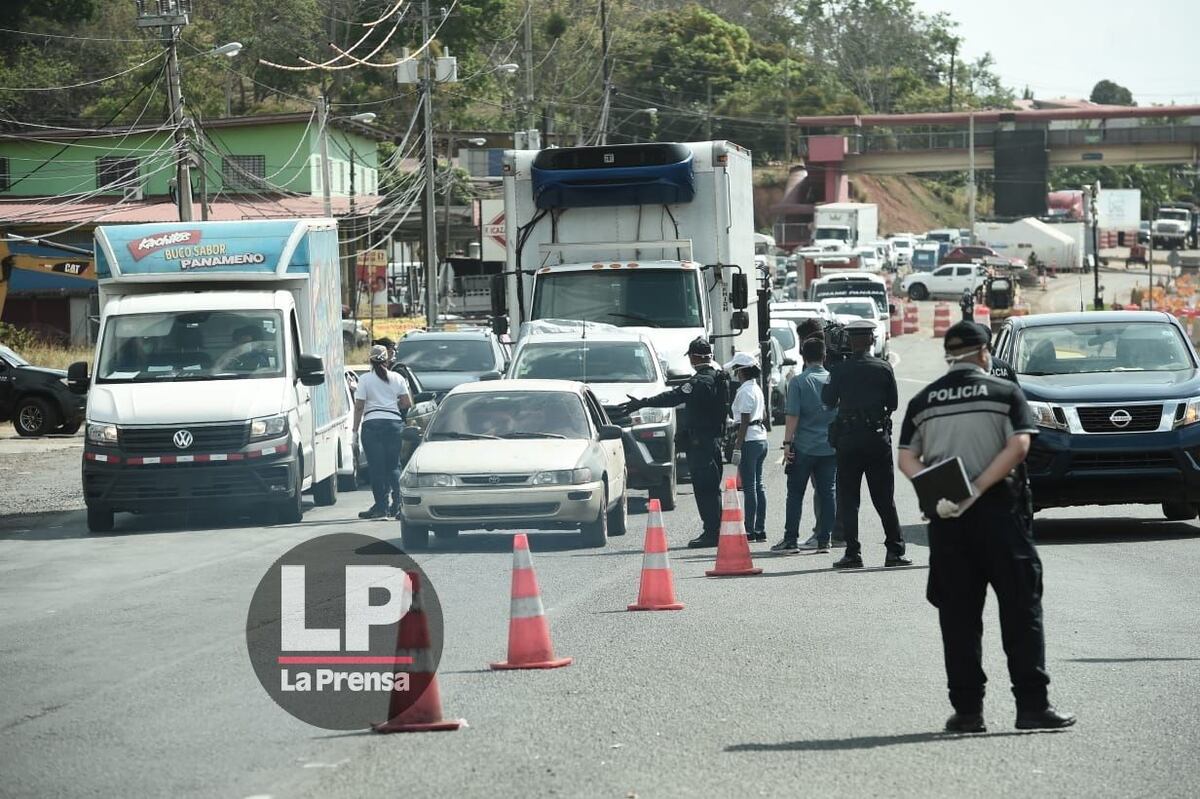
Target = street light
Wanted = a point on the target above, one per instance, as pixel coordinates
(365, 117)
(507, 69)
(230, 50)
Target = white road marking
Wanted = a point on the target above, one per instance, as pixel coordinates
(341, 762)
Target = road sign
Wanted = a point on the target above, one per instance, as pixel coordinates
(491, 214)
(371, 265)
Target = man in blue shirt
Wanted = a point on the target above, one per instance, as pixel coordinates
(809, 454)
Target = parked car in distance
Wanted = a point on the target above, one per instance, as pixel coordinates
(615, 364)
(1143, 234)
(924, 258)
(447, 358)
(864, 308)
(354, 332)
(903, 247)
(945, 281)
(37, 401)
(869, 257)
(516, 454)
(949, 236)
(1116, 398)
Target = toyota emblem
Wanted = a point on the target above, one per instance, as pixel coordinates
(182, 438)
(1120, 418)
(494, 479)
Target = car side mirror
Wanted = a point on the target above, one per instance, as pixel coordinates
(78, 379)
(492, 375)
(610, 432)
(310, 370)
(425, 396)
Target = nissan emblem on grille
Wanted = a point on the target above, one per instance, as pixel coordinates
(1120, 418)
(182, 439)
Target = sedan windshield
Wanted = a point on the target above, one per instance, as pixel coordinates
(626, 297)
(423, 354)
(191, 345)
(587, 362)
(510, 414)
(1101, 347)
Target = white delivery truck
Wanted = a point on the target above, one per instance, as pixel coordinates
(657, 238)
(218, 377)
(845, 224)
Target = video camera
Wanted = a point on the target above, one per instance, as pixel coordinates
(837, 340)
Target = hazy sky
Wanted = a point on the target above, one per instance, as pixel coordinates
(1061, 48)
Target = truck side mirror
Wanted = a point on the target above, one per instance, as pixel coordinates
(77, 377)
(310, 370)
(740, 320)
(499, 301)
(739, 292)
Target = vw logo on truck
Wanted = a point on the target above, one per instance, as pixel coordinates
(182, 438)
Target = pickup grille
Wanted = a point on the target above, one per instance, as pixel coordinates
(1143, 418)
(1123, 460)
(160, 440)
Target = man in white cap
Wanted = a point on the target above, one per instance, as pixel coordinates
(750, 448)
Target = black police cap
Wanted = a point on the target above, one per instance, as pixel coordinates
(699, 346)
(966, 335)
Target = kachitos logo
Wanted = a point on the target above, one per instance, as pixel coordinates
(344, 631)
(151, 244)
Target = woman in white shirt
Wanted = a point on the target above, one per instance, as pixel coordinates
(379, 405)
(750, 450)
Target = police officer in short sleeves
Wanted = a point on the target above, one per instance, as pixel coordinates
(985, 539)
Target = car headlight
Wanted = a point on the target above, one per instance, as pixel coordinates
(105, 434)
(650, 416)
(1046, 415)
(1191, 413)
(431, 480)
(268, 427)
(563, 477)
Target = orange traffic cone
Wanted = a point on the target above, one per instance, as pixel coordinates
(425, 713)
(733, 550)
(657, 591)
(529, 644)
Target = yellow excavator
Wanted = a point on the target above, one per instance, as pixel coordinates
(41, 265)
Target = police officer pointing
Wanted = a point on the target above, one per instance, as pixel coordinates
(985, 539)
(706, 397)
(863, 389)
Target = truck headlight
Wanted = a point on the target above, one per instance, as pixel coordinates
(105, 434)
(1191, 413)
(1046, 415)
(268, 427)
(563, 477)
(650, 416)
(431, 480)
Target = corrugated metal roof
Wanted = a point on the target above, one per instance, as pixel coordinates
(113, 211)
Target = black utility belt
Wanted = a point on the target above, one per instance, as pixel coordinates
(758, 423)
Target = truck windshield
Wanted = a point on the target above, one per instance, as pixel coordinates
(626, 297)
(839, 233)
(191, 345)
(1101, 347)
(925, 258)
(1173, 213)
(587, 362)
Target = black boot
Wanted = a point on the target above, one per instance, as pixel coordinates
(1048, 719)
(702, 541)
(966, 722)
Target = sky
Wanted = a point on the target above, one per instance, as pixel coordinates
(1061, 48)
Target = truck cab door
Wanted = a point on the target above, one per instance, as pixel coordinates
(304, 410)
(8, 376)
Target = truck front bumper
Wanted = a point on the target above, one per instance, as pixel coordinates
(259, 475)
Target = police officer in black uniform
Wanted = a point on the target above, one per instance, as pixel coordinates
(863, 389)
(985, 539)
(706, 397)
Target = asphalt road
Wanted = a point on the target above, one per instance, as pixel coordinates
(125, 671)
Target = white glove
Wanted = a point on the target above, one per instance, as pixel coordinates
(736, 460)
(951, 510)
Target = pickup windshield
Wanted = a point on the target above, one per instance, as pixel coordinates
(626, 297)
(1101, 347)
(191, 345)
(586, 361)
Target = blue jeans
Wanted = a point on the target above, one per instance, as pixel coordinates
(754, 496)
(381, 441)
(822, 470)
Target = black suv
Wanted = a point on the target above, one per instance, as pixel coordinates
(37, 401)
(1116, 395)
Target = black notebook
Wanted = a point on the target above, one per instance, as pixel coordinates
(945, 480)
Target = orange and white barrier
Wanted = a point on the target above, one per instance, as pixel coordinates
(941, 319)
(657, 590)
(983, 315)
(733, 550)
(912, 318)
(529, 645)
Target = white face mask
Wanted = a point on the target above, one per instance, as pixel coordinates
(953, 359)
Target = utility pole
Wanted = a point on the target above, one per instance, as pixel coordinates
(606, 73)
(1098, 301)
(429, 209)
(953, 53)
(326, 172)
(449, 175)
(530, 124)
(708, 110)
(787, 106)
(971, 175)
(170, 16)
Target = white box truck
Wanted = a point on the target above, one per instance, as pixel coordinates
(845, 224)
(1053, 245)
(219, 371)
(658, 238)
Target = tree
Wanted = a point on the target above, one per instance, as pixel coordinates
(1108, 93)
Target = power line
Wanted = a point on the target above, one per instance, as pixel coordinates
(134, 68)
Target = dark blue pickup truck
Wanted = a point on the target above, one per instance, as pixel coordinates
(1116, 395)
